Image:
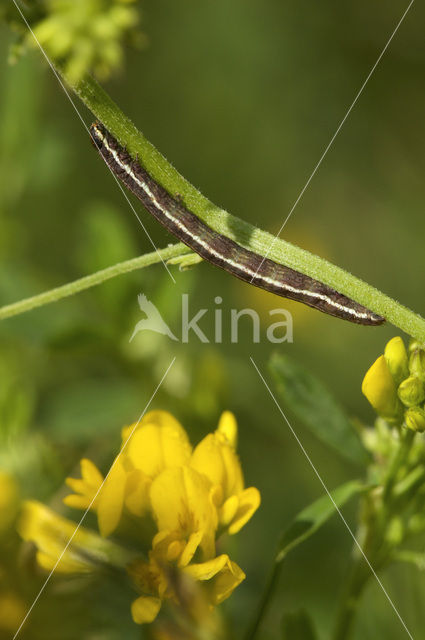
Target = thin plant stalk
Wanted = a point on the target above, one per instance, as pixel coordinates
(92, 280)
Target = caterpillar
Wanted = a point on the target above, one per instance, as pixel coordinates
(219, 249)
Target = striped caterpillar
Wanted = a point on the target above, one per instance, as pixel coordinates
(219, 249)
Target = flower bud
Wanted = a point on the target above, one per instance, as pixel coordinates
(411, 391)
(415, 419)
(415, 344)
(416, 523)
(379, 388)
(396, 358)
(417, 364)
(394, 532)
(228, 428)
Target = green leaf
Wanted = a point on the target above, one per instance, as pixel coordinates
(312, 403)
(307, 522)
(297, 626)
(310, 519)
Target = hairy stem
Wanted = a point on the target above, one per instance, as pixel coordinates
(92, 280)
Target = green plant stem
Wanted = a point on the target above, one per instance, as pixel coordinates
(374, 547)
(360, 574)
(103, 107)
(93, 279)
(265, 601)
(401, 455)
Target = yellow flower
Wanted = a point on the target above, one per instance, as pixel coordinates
(189, 497)
(157, 442)
(145, 609)
(395, 385)
(218, 577)
(379, 388)
(52, 534)
(215, 457)
(184, 513)
(85, 488)
(112, 498)
(222, 574)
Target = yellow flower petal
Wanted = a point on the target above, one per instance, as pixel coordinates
(226, 575)
(76, 484)
(180, 503)
(76, 502)
(216, 458)
(91, 473)
(219, 462)
(145, 609)
(158, 418)
(228, 428)
(226, 582)
(111, 499)
(175, 550)
(190, 548)
(52, 533)
(173, 547)
(158, 442)
(379, 388)
(137, 492)
(228, 510)
(249, 501)
(86, 487)
(396, 358)
(66, 565)
(209, 569)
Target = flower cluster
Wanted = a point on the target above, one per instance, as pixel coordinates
(176, 500)
(395, 384)
(86, 35)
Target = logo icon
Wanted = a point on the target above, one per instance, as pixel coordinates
(153, 321)
(218, 323)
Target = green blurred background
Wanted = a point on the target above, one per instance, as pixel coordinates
(242, 97)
